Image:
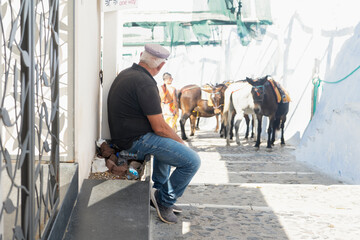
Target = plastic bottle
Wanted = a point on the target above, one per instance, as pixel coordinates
(133, 174)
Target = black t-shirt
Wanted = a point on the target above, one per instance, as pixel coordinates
(133, 95)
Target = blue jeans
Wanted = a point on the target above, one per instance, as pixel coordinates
(167, 153)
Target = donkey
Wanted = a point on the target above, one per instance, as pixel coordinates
(193, 106)
(267, 104)
(238, 99)
(209, 89)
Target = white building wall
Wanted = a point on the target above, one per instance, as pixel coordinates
(86, 83)
(330, 142)
(112, 45)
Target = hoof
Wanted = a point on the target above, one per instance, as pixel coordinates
(184, 138)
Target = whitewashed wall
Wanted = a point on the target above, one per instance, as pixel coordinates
(330, 143)
(86, 83)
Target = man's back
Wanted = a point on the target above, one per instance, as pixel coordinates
(132, 96)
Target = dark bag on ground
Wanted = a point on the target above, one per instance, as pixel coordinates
(108, 152)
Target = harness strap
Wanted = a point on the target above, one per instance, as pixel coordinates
(164, 98)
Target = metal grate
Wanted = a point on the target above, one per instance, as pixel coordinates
(29, 112)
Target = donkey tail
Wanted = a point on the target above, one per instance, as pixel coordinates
(227, 100)
(228, 108)
(178, 93)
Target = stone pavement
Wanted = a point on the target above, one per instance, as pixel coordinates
(244, 193)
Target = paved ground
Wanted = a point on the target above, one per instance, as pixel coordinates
(241, 193)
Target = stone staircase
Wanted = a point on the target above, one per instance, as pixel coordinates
(112, 209)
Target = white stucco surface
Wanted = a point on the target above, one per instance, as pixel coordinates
(331, 140)
(87, 67)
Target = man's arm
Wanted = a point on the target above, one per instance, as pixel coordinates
(162, 129)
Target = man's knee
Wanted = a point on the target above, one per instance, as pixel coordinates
(195, 161)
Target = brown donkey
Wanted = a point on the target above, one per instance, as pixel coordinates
(193, 106)
(266, 103)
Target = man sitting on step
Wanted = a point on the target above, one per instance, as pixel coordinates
(137, 125)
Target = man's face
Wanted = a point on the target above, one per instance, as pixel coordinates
(167, 79)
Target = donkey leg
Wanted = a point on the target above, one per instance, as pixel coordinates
(183, 119)
(227, 126)
(269, 137)
(227, 134)
(222, 130)
(273, 134)
(217, 123)
(237, 125)
(259, 118)
(282, 133)
(247, 120)
(270, 131)
(252, 126)
(192, 124)
(197, 124)
(232, 125)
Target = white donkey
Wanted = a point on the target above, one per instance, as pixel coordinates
(238, 98)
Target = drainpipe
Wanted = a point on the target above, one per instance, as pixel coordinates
(28, 121)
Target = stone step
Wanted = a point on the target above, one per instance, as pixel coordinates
(111, 209)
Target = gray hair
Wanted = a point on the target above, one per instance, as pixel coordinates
(150, 60)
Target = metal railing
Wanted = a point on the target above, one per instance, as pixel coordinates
(29, 118)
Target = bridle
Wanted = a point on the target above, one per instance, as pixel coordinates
(213, 97)
(259, 93)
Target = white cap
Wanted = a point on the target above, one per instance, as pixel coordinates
(157, 50)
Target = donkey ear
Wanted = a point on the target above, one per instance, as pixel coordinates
(263, 80)
(250, 81)
(208, 90)
(218, 88)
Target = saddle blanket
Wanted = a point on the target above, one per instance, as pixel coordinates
(281, 94)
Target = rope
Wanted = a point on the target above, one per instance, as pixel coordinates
(317, 81)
